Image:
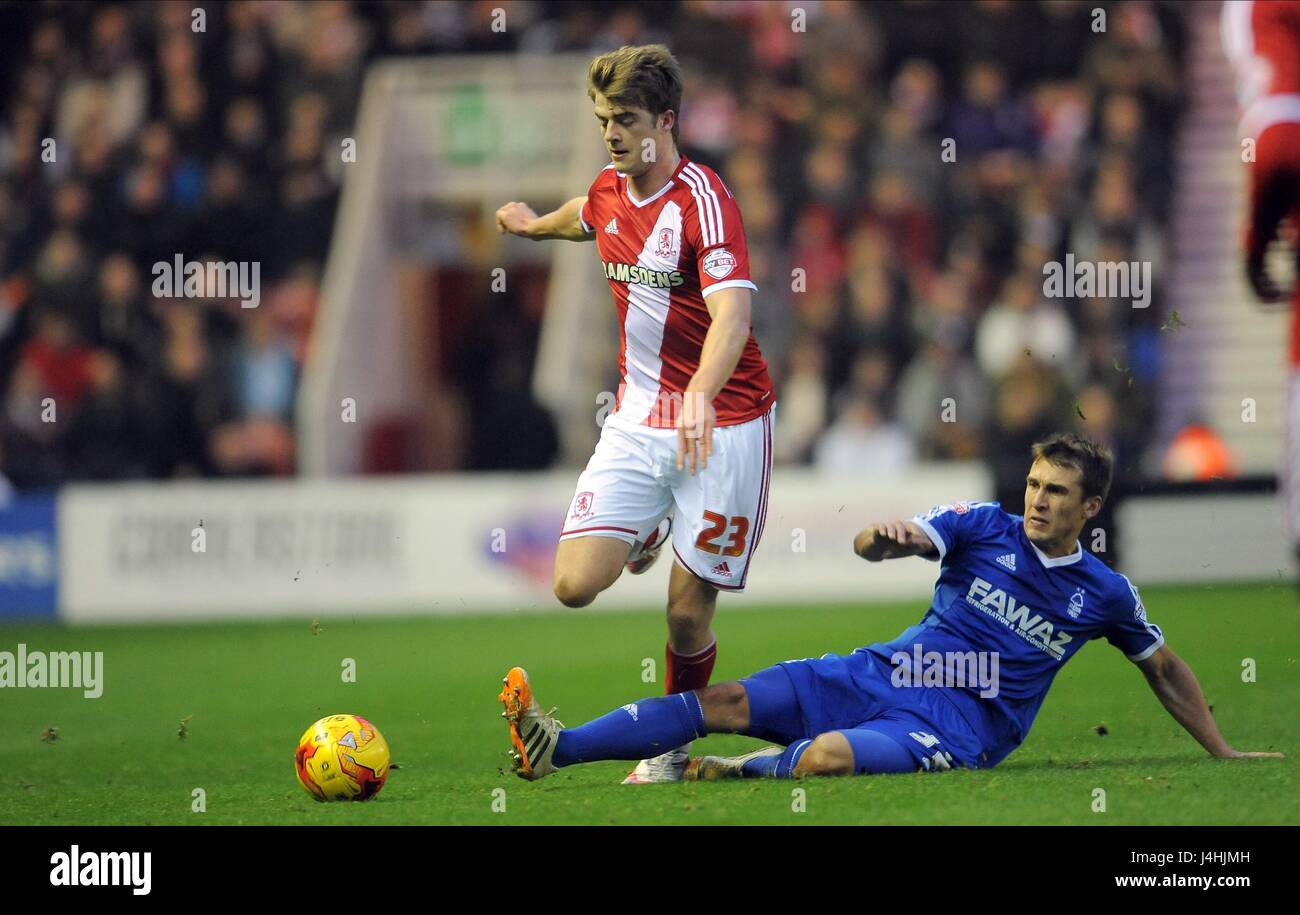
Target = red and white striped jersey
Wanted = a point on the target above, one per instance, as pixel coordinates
(662, 256)
(1262, 41)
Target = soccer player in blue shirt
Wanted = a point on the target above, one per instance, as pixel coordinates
(1016, 597)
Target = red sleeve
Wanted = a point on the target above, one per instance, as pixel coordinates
(1277, 40)
(715, 231)
(587, 215)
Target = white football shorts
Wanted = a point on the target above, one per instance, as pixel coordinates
(632, 483)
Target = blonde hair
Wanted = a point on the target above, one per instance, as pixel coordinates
(644, 76)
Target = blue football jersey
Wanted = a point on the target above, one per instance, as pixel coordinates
(997, 592)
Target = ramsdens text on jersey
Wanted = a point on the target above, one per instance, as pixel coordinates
(642, 276)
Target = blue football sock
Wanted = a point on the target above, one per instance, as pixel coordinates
(776, 766)
(639, 730)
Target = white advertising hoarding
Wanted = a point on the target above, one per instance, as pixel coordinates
(439, 544)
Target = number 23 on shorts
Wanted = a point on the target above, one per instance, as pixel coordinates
(734, 545)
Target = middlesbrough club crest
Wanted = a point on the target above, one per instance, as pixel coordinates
(665, 248)
(582, 506)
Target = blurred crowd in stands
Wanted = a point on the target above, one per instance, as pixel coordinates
(165, 141)
(904, 171)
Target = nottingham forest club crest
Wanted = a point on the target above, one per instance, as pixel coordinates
(1076, 604)
(582, 506)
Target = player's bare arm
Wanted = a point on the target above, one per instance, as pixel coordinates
(893, 540)
(730, 312)
(564, 223)
(1175, 685)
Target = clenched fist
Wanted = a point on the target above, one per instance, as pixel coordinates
(515, 218)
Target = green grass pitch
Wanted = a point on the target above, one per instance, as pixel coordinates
(430, 685)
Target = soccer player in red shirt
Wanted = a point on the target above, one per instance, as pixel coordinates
(1262, 40)
(691, 431)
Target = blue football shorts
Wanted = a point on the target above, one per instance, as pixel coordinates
(853, 694)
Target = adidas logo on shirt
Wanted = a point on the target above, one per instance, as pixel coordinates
(612, 227)
(721, 569)
(1009, 561)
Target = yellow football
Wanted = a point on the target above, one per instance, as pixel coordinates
(342, 758)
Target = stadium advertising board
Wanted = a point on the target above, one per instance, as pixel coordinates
(29, 568)
(455, 544)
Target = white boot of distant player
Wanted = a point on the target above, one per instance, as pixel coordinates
(667, 767)
(645, 554)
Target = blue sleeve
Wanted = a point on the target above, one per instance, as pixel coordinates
(953, 526)
(1130, 630)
